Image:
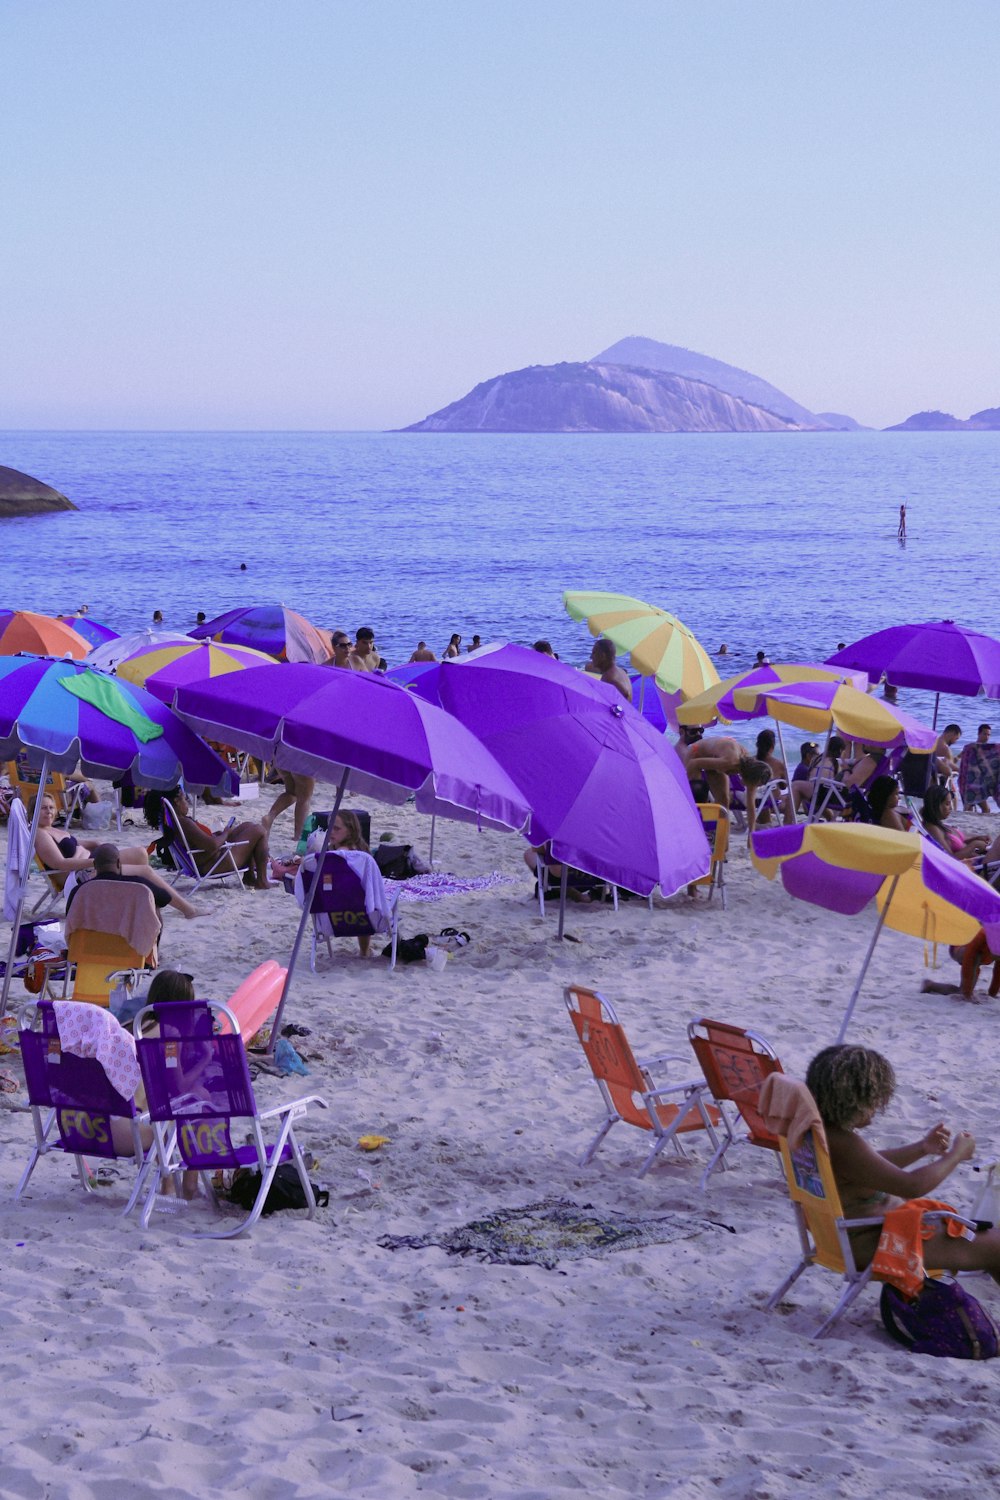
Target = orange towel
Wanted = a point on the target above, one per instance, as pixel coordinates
(787, 1108)
(900, 1254)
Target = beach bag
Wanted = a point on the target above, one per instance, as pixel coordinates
(943, 1320)
(97, 815)
(397, 861)
(286, 1190)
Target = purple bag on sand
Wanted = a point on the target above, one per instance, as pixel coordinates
(943, 1319)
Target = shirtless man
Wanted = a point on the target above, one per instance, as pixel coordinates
(945, 762)
(423, 653)
(604, 665)
(364, 657)
(721, 757)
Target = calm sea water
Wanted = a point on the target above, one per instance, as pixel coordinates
(781, 542)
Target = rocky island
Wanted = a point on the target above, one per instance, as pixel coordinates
(598, 397)
(987, 420)
(21, 495)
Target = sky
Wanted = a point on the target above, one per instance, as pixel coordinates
(343, 214)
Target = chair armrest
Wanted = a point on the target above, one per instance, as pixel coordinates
(283, 1109)
(233, 844)
(871, 1223)
(663, 1057)
(692, 1086)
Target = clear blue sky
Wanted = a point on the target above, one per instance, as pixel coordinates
(308, 213)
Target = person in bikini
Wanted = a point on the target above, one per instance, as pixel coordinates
(719, 757)
(63, 855)
(851, 1086)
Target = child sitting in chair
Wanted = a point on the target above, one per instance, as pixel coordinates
(851, 1085)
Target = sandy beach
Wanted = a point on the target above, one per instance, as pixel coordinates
(307, 1360)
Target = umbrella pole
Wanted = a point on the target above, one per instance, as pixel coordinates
(563, 886)
(790, 800)
(430, 856)
(23, 890)
(868, 957)
(306, 915)
(642, 693)
(937, 704)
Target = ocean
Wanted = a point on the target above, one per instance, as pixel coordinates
(780, 542)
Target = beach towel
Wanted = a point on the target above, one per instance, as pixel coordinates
(787, 1108)
(124, 908)
(90, 1031)
(18, 858)
(899, 1258)
(437, 885)
(979, 773)
(543, 1234)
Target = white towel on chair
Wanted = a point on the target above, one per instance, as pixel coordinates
(18, 858)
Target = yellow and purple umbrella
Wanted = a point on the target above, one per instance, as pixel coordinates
(917, 887)
(41, 635)
(162, 669)
(660, 645)
(819, 706)
(717, 702)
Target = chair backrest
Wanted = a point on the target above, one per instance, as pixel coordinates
(915, 773)
(26, 781)
(860, 806)
(340, 897)
(196, 1078)
(735, 1063)
(77, 1088)
(811, 1186)
(123, 906)
(715, 822)
(608, 1052)
(176, 841)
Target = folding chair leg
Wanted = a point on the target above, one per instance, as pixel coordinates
(852, 1291)
(788, 1283)
(591, 1150)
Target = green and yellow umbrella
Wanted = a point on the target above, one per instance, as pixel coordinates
(660, 645)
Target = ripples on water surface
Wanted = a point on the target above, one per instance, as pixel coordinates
(776, 541)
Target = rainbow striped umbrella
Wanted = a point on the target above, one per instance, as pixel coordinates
(162, 669)
(717, 702)
(272, 628)
(660, 645)
(21, 630)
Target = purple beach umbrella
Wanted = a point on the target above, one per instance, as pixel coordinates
(938, 655)
(607, 792)
(272, 628)
(354, 727)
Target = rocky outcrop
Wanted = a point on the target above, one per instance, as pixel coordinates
(21, 495)
(943, 421)
(839, 423)
(600, 397)
(650, 354)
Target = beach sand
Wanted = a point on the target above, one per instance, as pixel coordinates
(304, 1360)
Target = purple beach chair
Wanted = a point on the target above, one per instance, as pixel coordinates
(339, 910)
(198, 1088)
(73, 1104)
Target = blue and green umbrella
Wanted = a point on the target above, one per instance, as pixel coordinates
(62, 714)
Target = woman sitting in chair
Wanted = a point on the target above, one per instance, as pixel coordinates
(938, 803)
(64, 855)
(248, 841)
(851, 1085)
(883, 799)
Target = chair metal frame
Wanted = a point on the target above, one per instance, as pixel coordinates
(192, 1133)
(668, 1110)
(183, 856)
(715, 816)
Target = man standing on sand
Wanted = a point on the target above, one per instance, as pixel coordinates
(364, 657)
(603, 664)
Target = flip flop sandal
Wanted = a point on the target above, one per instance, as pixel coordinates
(450, 937)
